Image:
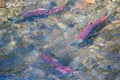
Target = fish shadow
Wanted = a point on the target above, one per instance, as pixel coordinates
(18, 19)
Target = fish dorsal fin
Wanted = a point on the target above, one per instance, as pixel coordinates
(42, 9)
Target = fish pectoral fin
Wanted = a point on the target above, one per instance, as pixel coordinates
(90, 23)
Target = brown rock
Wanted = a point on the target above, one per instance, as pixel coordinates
(2, 4)
(90, 1)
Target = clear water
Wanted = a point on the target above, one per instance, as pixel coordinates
(97, 58)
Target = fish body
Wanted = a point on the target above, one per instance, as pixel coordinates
(35, 12)
(64, 69)
(90, 27)
(48, 58)
(41, 12)
(55, 10)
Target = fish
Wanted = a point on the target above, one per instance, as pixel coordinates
(41, 12)
(58, 66)
(90, 27)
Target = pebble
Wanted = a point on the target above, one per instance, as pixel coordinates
(118, 9)
(80, 18)
(114, 0)
(75, 62)
(9, 4)
(117, 76)
(2, 4)
(113, 25)
(12, 43)
(118, 15)
(62, 26)
(2, 31)
(52, 3)
(90, 1)
(32, 56)
(72, 24)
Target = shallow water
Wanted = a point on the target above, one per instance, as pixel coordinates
(22, 41)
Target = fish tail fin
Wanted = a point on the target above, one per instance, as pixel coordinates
(111, 15)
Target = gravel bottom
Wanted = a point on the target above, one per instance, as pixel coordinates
(22, 41)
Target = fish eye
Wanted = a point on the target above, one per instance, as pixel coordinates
(54, 9)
